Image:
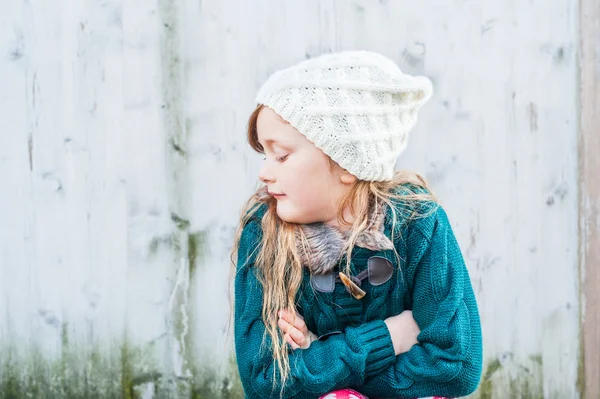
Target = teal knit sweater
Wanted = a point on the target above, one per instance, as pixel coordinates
(431, 280)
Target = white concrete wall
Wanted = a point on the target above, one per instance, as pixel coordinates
(123, 167)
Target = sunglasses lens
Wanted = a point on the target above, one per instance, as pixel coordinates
(380, 270)
(323, 282)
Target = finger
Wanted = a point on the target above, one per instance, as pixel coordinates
(290, 341)
(283, 325)
(298, 322)
(292, 338)
(293, 332)
(287, 328)
(289, 312)
(298, 337)
(289, 315)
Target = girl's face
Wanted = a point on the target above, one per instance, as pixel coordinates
(306, 186)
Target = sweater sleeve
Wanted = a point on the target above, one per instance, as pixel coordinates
(341, 361)
(447, 361)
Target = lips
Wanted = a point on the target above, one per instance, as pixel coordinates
(276, 195)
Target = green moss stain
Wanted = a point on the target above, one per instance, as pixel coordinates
(196, 249)
(127, 372)
(581, 369)
(10, 386)
(180, 319)
(121, 371)
(181, 223)
(66, 361)
(486, 387)
(524, 381)
(208, 384)
(177, 148)
(36, 368)
(172, 83)
(111, 372)
(196, 243)
(157, 242)
(236, 389)
(580, 383)
(536, 358)
(184, 245)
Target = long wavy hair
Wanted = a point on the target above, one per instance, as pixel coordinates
(278, 265)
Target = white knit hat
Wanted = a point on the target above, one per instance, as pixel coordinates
(356, 106)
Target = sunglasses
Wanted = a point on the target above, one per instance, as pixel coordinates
(379, 270)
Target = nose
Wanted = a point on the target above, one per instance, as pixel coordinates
(265, 175)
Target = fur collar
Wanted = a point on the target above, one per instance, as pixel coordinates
(324, 244)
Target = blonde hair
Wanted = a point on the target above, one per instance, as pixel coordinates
(278, 265)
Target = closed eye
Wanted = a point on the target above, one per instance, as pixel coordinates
(278, 159)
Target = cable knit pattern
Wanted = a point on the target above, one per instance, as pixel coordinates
(448, 359)
(338, 362)
(356, 106)
(357, 350)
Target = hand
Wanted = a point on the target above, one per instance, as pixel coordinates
(296, 332)
(404, 331)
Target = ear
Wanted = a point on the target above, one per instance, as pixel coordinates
(347, 178)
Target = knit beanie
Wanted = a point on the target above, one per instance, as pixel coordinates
(356, 106)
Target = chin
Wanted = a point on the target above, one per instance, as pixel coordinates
(291, 216)
(286, 216)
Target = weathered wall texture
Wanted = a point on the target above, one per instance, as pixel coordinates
(123, 167)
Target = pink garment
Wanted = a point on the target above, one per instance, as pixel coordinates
(344, 394)
(352, 394)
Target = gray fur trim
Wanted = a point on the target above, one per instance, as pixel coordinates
(324, 244)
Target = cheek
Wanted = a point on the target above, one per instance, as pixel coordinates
(310, 176)
(311, 188)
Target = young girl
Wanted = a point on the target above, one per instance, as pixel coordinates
(349, 282)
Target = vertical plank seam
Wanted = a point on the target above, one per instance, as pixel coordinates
(589, 201)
